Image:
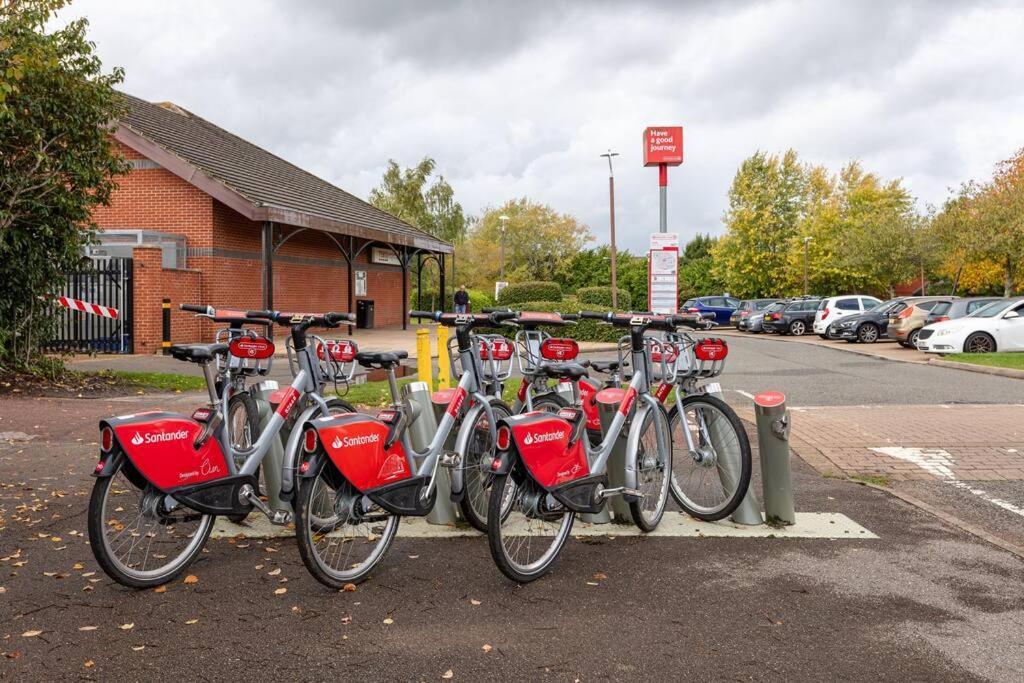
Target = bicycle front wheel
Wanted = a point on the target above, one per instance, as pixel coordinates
(710, 480)
(477, 478)
(653, 463)
(525, 541)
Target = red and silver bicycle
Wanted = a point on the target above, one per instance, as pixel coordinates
(546, 470)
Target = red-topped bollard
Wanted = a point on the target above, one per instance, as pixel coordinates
(773, 446)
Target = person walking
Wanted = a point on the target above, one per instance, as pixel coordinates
(462, 300)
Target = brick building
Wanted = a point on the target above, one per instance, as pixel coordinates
(210, 218)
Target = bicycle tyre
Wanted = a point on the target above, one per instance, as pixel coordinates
(550, 402)
(476, 482)
(723, 510)
(243, 401)
(643, 522)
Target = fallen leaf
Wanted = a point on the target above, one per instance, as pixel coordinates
(593, 583)
(191, 578)
(136, 648)
(448, 674)
(87, 628)
(349, 588)
(486, 648)
(127, 627)
(346, 619)
(2, 590)
(280, 591)
(389, 621)
(414, 557)
(474, 602)
(78, 565)
(192, 621)
(600, 576)
(274, 572)
(89, 664)
(160, 589)
(87, 574)
(30, 634)
(86, 589)
(55, 539)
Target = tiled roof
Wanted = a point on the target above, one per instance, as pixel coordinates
(276, 189)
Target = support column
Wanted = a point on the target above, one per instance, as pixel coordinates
(405, 288)
(663, 196)
(351, 278)
(442, 302)
(268, 265)
(419, 281)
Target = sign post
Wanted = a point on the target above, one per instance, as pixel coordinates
(663, 147)
(663, 273)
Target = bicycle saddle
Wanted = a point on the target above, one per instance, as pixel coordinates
(570, 370)
(198, 353)
(606, 365)
(383, 359)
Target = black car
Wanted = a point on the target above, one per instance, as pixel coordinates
(871, 325)
(796, 318)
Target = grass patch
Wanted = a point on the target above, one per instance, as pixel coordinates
(1014, 361)
(876, 479)
(160, 381)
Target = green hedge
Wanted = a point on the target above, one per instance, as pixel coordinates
(519, 292)
(602, 296)
(478, 300)
(583, 330)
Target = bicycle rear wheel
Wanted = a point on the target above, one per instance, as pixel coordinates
(653, 474)
(525, 542)
(244, 426)
(710, 481)
(350, 544)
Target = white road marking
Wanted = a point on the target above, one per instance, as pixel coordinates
(674, 524)
(744, 393)
(939, 463)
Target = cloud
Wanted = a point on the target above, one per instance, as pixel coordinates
(521, 98)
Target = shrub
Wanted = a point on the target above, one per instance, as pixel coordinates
(478, 300)
(583, 330)
(518, 292)
(602, 296)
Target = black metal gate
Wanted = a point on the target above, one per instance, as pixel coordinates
(104, 282)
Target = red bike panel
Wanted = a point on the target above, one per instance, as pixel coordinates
(501, 349)
(160, 445)
(257, 348)
(542, 440)
(588, 393)
(612, 396)
(665, 350)
(355, 444)
(559, 349)
(340, 350)
(711, 349)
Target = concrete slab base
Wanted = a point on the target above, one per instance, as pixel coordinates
(824, 525)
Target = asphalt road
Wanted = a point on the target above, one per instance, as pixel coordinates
(922, 602)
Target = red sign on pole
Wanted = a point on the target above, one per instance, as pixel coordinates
(663, 145)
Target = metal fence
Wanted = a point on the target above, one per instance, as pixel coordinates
(104, 282)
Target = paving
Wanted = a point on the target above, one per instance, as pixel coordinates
(923, 600)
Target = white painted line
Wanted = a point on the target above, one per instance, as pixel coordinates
(747, 394)
(939, 463)
(822, 525)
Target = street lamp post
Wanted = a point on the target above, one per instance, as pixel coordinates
(807, 240)
(504, 222)
(611, 213)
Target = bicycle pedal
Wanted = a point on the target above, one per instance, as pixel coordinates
(618, 491)
(450, 460)
(280, 517)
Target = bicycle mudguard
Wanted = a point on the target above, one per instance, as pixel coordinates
(545, 446)
(355, 444)
(161, 448)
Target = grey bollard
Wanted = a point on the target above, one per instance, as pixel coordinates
(421, 432)
(607, 408)
(773, 445)
(272, 461)
(749, 511)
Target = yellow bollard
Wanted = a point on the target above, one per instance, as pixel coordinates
(444, 367)
(424, 368)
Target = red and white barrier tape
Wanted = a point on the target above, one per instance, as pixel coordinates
(86, 307)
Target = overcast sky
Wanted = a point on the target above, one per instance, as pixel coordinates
(521, 98)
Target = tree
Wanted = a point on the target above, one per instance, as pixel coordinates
(538, 242)
(57, 162)
(697, 274)
(408, 194)
(766, 202)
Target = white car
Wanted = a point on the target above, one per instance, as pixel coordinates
(836, 307)
(996, 327)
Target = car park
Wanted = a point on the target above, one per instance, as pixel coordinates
(748, 309)
(869, 326)
(835, 307)
(721, 306)
(905, 326)
(795, 318)
(958, 308)
(996, 327)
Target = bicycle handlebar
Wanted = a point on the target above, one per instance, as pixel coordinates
(196, 308)
(668, 323)
(494, 317)
(330, 319)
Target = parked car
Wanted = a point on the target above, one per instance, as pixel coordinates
(906, 325)
(871, 325)
(796, 318)
(748, 309)
(959, 308)
(755, 323)
(721, 306)
(996, 327)
(836, 307)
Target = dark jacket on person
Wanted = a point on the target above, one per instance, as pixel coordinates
(461, 298)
